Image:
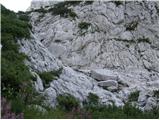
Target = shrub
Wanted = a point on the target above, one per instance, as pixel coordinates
(143, 39)
(72, 14)
(117, 3)
(84, 25)
(133, 96)
(60, 9)
(67, 102)
(93, 99)
(47, 77)
(132, 26)
(88, 2)
(6, 111)
(23, 16)
(156, 93)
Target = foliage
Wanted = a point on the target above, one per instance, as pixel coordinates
(23, 16)
(143, 39)
(72, 14)
(156, 93)
(132, 26)
(93, 99)
(6, 111)
(34, 113)
(67, 102)
(63, 10)
(47, 77)
(88, 2)
(16, 78)
(84, 25)
(126, 112)
(117, 3)
(133, 96)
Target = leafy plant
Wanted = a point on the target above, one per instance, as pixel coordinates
(133, 96)
(84, 25)
(117, 3)
(47, 77)
(143, 39)
(132, 26)
(93, 99)
(156, 93)
(88, 2)
(6, 110)
(67, 102)
(72, 14)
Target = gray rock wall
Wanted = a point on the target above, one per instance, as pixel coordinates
(121, 39)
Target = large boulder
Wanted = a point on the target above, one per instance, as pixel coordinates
(110, 85)
(103, 75)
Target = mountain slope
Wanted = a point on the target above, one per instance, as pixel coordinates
(103, 51)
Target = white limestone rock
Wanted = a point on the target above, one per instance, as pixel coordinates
(108, 83)
(38, 84)
(106, 51)
(151, 103)
(103, 75)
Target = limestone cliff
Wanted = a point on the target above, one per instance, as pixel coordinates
(98, 44)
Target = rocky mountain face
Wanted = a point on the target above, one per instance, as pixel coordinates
(106, 48)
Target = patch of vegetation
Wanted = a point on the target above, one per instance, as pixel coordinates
(143, 39)
(72, 14)
(117, 3)
(23, 16)
(127, 45)
(133, 96)
(84, 25)
(93, 99)
(63, 10)
(156, 93)
(67, 102)
(132, 26)
(88, 2)
(16, 79)
(41, 10)
(47, 77)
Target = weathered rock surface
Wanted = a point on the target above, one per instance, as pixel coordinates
(121, 44)
(104, 74)
(108, 83)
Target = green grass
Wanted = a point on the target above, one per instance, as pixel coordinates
(67, 102)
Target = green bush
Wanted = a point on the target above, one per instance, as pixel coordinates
(133, 96)
(47, 77)
(143, 39)
(125, 112)
(67, 102)
(88, 2)
(156, 93)
(132, 26)
(84, 25)
(93, 99)
(23, 16)
(117, 3)
(72, 14)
